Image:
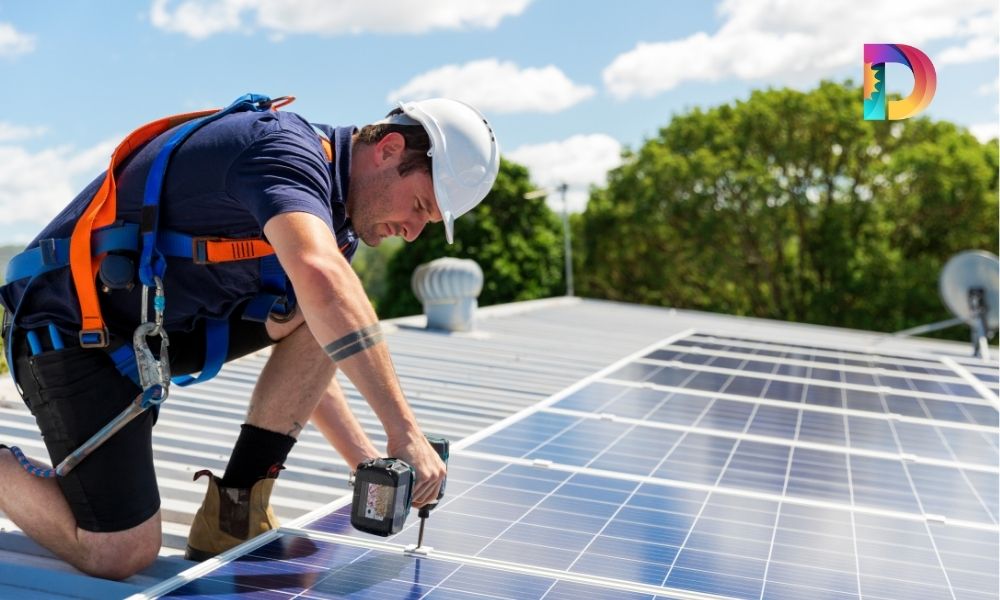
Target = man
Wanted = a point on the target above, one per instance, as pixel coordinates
(309, 192)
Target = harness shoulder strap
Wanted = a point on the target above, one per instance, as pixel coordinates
(100, 213)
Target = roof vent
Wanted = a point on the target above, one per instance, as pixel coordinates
(448, 288)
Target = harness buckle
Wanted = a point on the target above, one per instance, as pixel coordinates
(94, 338)
(278, 102)
(199, 250)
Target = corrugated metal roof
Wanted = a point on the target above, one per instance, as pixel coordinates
(457, 384)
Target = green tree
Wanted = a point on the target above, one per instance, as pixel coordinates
(789, 205)
(372, 265)
(517, 243)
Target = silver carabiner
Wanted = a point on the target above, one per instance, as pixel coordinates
(152, 372)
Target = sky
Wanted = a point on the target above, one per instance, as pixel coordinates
(566, 84)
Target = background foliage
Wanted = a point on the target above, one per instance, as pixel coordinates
(789, 206)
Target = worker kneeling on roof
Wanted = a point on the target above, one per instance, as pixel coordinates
(220, 233)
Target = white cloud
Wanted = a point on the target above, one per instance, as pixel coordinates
(989, 88)
(788, 41)
(35, 186)
(497, 87)
(985, 131)
(580, 161)
(13, 133)
(975, 49)
(13, 42)
(202, 18)
(983, 42)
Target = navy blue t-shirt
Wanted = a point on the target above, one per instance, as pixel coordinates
(227, 180)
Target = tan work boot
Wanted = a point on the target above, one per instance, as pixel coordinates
(230, 516)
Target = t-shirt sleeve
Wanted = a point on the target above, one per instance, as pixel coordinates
(279, 173)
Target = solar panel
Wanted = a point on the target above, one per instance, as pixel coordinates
(303, 567)
(707, 466)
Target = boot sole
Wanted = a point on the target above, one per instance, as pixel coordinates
(198, 555)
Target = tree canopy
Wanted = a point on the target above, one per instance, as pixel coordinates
(789, 205)
(517, 242)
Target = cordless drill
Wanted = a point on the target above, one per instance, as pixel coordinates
(383, 492)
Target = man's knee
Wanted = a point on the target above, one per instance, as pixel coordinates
(121, 554)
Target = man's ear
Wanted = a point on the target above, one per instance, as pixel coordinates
(390, 147)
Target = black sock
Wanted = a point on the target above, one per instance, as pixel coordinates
(256, 452)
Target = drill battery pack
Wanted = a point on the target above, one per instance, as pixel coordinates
(383, 492)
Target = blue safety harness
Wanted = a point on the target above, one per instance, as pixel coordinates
(153, 246)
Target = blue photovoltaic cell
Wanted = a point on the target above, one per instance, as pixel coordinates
(715, 543)
(974, 410)
(761, 467)
(806, 350)
(293, 566)
(786, 515)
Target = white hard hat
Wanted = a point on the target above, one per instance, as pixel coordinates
(465, 156)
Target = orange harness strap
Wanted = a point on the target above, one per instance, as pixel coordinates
(101, 212)
(209, 250)
(327, 148)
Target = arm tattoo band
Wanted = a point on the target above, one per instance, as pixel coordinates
(355, 342)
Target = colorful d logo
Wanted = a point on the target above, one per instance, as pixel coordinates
(924, 82)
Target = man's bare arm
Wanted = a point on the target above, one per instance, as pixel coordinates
(334, 419)
(338, 312)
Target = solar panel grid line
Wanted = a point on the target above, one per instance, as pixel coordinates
(853, 515)
(897, 357)
(961, 470)
(492, 474)
(708, 497)
(907, 469)
(506, 566)
(637, 487)
(784, 360)
(930, 362)
(806, 407)
(467, 441)
(694, 523)
(546, 441)
(984, 413)
(920, 504)
(985, 468)
(802, 380)
(850, 491)
(978, 362)
(978, 385)
(816, 351)
(896, 458)
(502, 465)
(734, 492)
(777, 516)
(618, 507)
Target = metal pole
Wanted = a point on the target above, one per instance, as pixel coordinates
(567, 243)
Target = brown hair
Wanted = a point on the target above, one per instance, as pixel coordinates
(417, 143)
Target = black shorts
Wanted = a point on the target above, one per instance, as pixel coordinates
(74, 392)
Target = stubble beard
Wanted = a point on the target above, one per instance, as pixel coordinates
(368, 200)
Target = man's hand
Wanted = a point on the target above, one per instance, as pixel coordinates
(430, 469)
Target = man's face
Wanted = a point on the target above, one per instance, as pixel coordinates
(383, 204)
